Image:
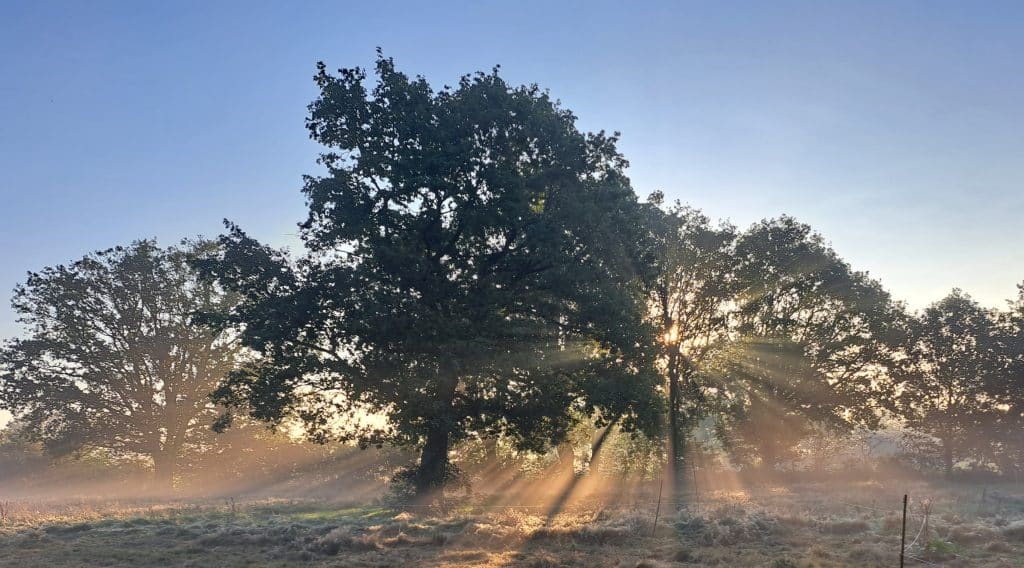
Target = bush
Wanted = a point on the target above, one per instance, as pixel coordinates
(340, 539)
(402, 486)
(1014, 531)
(844, 526)
(938, 549)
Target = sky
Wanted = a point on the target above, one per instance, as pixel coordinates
(893, 128)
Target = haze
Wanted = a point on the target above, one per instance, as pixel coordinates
(524, 284)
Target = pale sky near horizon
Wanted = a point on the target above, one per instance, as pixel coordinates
(893, 128)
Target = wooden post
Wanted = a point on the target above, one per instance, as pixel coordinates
(696, 495)
(926, 508)
(657, 511)
(903, 534)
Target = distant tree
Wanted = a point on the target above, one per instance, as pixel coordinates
(19, 456)
(811, 341)
(952, 377)
(112, 359)
(1007, 424)
(824, 448)
(26, 467)
(470, 270)
(692, 287)
(767, 330)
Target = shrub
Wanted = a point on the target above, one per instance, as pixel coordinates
(1014, 531)
(342, 538)
(998, 546)
(844, 526)
(938, 549)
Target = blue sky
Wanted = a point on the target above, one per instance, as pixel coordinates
(894, 128)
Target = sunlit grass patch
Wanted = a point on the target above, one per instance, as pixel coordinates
(807, 526)
(354, 514)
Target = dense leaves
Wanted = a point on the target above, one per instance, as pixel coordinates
(767, 330)
(957, 380)
(113, 359)
(470, 268)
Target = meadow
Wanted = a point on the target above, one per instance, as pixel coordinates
(802, 525)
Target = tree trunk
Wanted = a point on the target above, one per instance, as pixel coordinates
(164, 469)
(769, 459)
(490, 451)
(566, 459)
(820, 457)
(677, 442)
(947, 458)
(597, 445)
(433, 466)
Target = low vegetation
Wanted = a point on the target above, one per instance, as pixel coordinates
(805, 525)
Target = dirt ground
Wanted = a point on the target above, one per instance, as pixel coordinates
(806, 525)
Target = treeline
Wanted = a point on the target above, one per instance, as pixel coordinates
(477, 271)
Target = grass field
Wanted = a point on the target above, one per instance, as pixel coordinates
(806, 525)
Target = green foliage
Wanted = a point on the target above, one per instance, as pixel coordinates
(802, 307)
(470, 269)
(953, 378)
(113, 360)
(690, 284)
(939, 547)
(768, 329)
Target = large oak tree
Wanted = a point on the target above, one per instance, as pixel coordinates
(470, 269)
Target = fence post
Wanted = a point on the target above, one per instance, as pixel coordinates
(903, 533)
(926, 508)
(657, 511)
(696, 495)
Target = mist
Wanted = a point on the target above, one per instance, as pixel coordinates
(500, 336)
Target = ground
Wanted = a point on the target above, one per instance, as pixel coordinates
(797, 526)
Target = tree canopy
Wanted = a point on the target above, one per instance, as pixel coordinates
(767, 330)
(113, 358)
(953, 377)
(470, 268)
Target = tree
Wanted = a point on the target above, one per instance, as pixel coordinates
(1014, 389)
(810, 339)
(767, 330)
(470, 270)
(112, 359)
(691, 286)
(950, 380)
(1004, 425)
